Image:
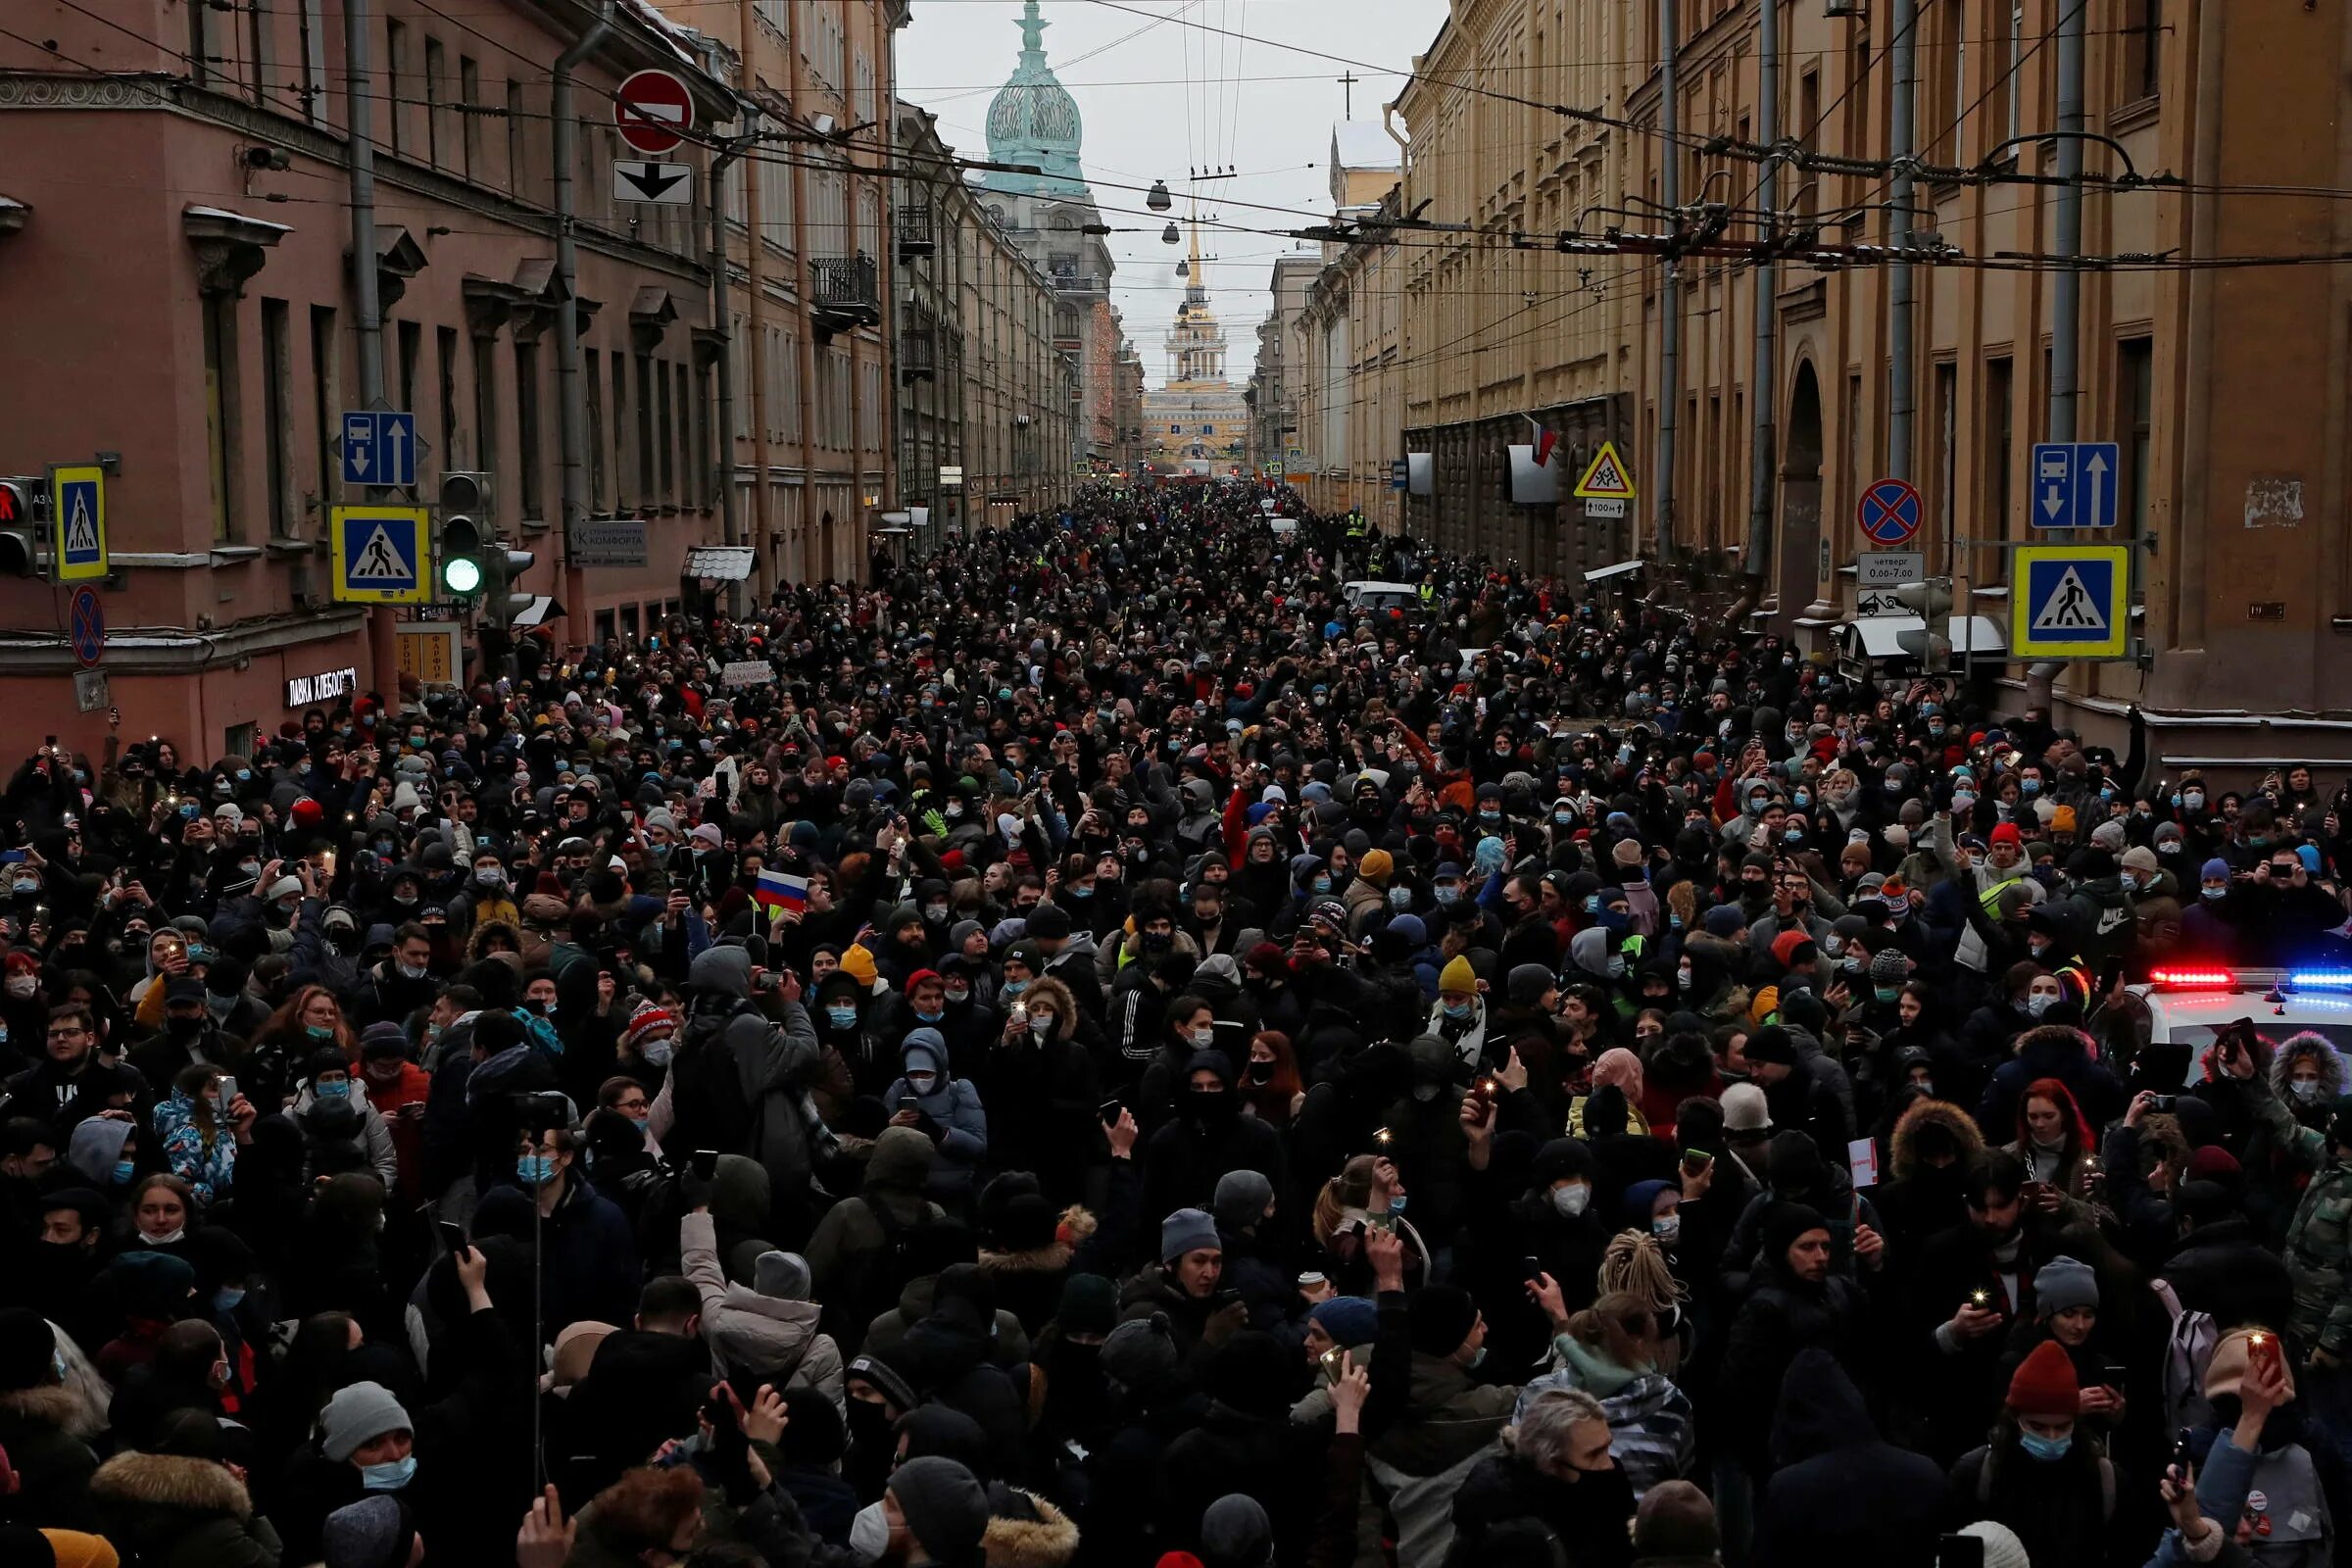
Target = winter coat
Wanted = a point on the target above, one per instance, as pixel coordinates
(166, 1511)
(209, 1166)
(2060, 1510)
(590, 1252)
(334, 1143)
(755, 1335)
(1839, 1493)
(2319, 1239)
(1782, 1317)
(1651, 1433)
(848, 1237)
(54, 1466)
(1589, 1515)
(775, 1062)
(952, 1118)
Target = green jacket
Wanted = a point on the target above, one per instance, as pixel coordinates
(2318, 1240)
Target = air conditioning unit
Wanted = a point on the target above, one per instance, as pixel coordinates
(1846, 8)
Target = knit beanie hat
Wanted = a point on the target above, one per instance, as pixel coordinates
(1090, 1304)
(1185, 1231)
(1745, 1110)
(27, 1349)
(1526, 983)
(1676, 1520)
(2216, 869)
(1235, 1532)
(781, 1276)
(1457, 975)
(1375, 867)
(943, 1505)
(2045, 1383)
(2063, 1283)
(2002, 1548)
(1350, 1320)
(1242, 1198)
(646, 1022)
(1142, 1354)
(371, 1533)
(1442, 1318)
(74, 1549)
(1890, 967)
(358, 1415)
(1786, 1223)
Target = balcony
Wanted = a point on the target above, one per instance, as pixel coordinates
(844, 292)
(918, 353)
(915, 231)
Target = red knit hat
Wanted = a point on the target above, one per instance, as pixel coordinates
(2044, 1384)
(2007, 833)
(1784, 946)
(918, 978)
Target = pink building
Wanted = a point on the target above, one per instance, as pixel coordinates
(175, 260)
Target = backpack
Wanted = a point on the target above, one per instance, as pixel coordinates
(2187, 1351)
(706, 1102)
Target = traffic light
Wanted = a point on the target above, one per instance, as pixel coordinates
(503, 568)
(467, 533)
(1928, 600)
(24, 520)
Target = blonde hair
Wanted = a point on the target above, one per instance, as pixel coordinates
(1636, 1265)
(1619, 1326)
(1351, 1189)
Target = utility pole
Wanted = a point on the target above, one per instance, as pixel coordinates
(730, 525)
(367, 307)
(1670, 297)
(1900, 150)
(573, 420)
(1764, 379)
(2066, 294)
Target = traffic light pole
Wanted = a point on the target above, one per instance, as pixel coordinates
(383, 658)
(573, 420)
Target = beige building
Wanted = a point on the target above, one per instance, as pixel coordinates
(810, 277)
(1343, 353)
(1273, 394)
(2223, 387)
(984, 387)
(1197, 422)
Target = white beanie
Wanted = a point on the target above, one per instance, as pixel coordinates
(2002, 1548)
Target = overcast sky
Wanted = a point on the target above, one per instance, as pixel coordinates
(1163, 96)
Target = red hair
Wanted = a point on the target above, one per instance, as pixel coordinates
(1272, 1098)
(2054, 1090)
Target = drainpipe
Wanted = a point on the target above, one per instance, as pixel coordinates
(358, 122)
(730, 525)
(2066, 297)
(573, 423)
(1670, 297)
(1901, 149)
(1764, 379)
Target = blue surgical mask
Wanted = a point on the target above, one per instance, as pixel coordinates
(1591, 903)
(535, 1170)
(1013, 988)
(2047, 1449)
(1322, 884)
(321, 1033)
(1460, 1011)
(334, 1090)
(226, 1297)
(842, 1017)
(388, 1477)
(933, 1016)
(125, 1170)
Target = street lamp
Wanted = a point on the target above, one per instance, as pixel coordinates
(1159, 201)
(1169, 235)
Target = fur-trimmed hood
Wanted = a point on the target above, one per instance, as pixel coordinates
(50, 1405)
(1050, 1258)
(1048, 1540)
(169, 1481)
(2320, 1049)
(1903, 1147)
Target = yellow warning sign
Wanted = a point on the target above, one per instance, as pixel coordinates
(1608, 478)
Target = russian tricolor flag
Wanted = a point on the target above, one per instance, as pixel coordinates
(780, 890)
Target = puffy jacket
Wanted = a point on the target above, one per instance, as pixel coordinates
(752, 1333)
(166, 1511)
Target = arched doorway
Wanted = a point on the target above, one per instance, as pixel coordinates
(1796, 569)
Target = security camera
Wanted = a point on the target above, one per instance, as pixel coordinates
(266, 158)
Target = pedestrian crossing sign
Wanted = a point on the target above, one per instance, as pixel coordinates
(2071, 602)
(381, 555)
(78, 515)
(1606, 479)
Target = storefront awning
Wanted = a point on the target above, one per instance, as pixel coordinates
(537, 612)
(1601, 573)
(724, 562)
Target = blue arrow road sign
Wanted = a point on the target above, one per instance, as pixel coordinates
(379, 447)
(2075, 484)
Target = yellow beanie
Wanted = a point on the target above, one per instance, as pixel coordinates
(75, 1549)
(858, 966)
(1457, 975)
(1375, 867)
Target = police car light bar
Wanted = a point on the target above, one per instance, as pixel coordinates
(2321, 979)
(2194, 979)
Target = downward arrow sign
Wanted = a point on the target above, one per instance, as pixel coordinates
(651, 179)
(2051, 503)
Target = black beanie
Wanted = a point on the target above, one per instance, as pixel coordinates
(1787, 1222)
(28, 1348)
(1442, 1318)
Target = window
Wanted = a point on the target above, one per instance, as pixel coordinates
(1175, 429)
(665, 433)
(592, 379)
(1208, 429)
(530, 459)
(220, 410)
(411, 335)
(2143, 48)
(326, 402)
(445, 369)
(646, 471)
(622, 474)
(278, 415)
(2136, 401)
(469, 124)
(485, 404)
(2000, 429)
(1808, 137)
(1948, 90)
(240, 739)
(2008, 88)
(434, 66)
(395, 74)
(1947, 435)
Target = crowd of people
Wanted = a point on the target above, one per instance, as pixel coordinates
(1089, 1048)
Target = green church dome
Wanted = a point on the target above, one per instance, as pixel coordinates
(1033, 119)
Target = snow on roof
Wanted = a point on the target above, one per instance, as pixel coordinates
(1364, 144)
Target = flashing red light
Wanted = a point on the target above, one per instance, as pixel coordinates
(2203, 979)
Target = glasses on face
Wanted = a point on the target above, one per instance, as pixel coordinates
(74, 1033)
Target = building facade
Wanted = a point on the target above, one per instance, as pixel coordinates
(810, 285)
(985, 391)
(1273, 392)
(1342, 354)
(1197, 422)
(2246, 584)
(195, 316)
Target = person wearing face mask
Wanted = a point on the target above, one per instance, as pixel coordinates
(928, 1098)
(1796, 1302)
(396, 1088)
(1460, 1017)
(2056, 1049)
(2307, 1074)
(340, 1130)
(1185, 1158)
(2042, 1474)
(1613, 1351)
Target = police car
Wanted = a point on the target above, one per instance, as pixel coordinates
(2189, 1003)
(1387, 600)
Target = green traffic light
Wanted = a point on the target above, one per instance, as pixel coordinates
(460, 575)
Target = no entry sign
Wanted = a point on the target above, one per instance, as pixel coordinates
(654, 110)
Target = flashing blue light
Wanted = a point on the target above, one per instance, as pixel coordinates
(2321, 979)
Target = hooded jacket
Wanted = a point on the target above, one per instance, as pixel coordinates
(952, 1114)
(775, 1062)
(848, 1237)
(756, 1335)
(169, 1511)
(1839, 1493)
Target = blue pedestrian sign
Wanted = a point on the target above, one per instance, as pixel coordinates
(381, 555)
(2071, 602)
(1890, 511)
(77, 513)
(2075, 483)
(379, 447)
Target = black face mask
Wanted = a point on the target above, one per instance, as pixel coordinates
(1261, 1072)
(183, 1030)
(1208, 1107)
